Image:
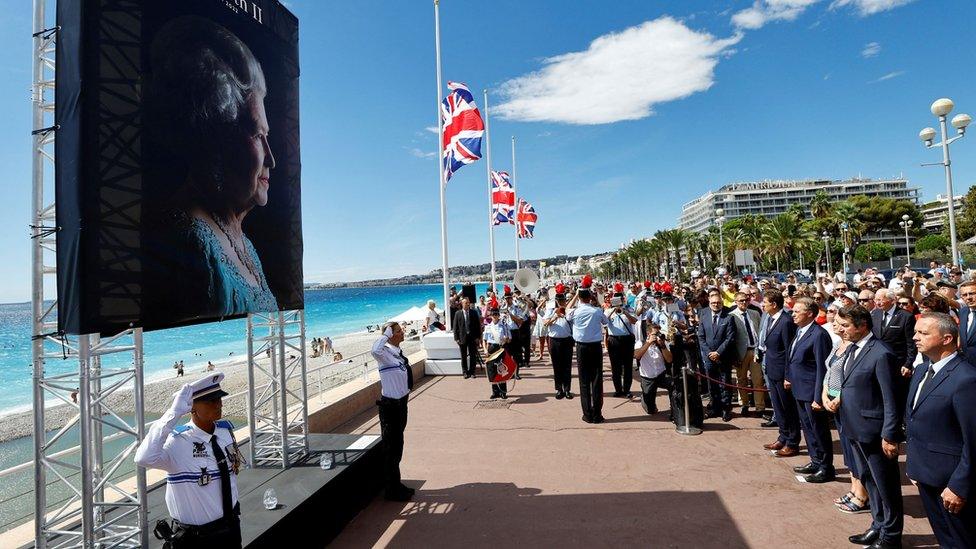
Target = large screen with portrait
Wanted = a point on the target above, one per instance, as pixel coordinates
(177, 162)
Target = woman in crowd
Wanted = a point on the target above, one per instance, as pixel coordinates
(433, 320)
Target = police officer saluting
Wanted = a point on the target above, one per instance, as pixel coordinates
(620, 343)
(202, 461)
(560, 344)
(396, 380)
(588, 321)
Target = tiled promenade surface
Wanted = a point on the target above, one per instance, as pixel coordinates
(534, 475)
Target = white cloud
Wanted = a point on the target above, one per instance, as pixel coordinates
(889, 76)
(871, 49)
(431, 129)
(869, 7)
(764, 11)
(621, 76)
(421, 154)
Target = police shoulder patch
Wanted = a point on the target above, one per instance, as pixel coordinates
(180, 429)
(226, 424)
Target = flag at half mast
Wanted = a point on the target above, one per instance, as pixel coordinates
(463, 129)
(502, 199)
(525, 219)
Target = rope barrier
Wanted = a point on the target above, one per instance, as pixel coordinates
(713, 380)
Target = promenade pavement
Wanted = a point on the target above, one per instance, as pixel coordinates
(532, 474)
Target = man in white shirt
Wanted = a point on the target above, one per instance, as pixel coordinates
(652, 354)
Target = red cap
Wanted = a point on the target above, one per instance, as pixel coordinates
(493, 303)
(507, 290)
(647, 283)
(667, 287)
(560, 288)
(618, 287)
(587, 281)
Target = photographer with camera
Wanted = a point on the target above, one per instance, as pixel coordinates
(653, 355)
(620, 342)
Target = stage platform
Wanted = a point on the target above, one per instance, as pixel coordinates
(312, 503)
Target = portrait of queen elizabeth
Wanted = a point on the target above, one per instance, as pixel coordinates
(207, 93)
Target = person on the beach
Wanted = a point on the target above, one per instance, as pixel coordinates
(396, 381)
(202, 460)
(207, 93)
(179, 368)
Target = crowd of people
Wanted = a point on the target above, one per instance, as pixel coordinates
(884, 362)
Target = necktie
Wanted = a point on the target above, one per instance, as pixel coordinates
(714, 323)
(752, 338)
(849, 357)
(799, 334)
(969, 323)
(928, 375)
(884, 321)
(224, 477)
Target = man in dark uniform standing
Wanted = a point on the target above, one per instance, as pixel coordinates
(588, 321)
(560, 344)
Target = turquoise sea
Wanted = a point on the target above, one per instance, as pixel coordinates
(329, 312)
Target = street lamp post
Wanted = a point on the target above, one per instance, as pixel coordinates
(906, 223)
(826, 239)
(720, 220)
(941, 108)
(844, 228)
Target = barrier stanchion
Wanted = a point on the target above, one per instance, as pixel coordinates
(686, 429)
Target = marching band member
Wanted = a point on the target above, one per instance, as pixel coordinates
(620, 343)
(515, 316)
(495, 337)
(588, 321)
(202, 459)
(560, 344)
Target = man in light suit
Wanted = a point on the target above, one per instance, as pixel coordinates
(805, 373)
(746, 340)
(941, 425)
(467, 334)
(777, 336)
(896, 327)
(716, 339)
(869, 412)
(967, 320)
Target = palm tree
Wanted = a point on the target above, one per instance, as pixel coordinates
(784, 237)
(820, 205)
(676, 239)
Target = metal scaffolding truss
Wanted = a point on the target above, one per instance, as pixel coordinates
(277, 388)
(84, 504)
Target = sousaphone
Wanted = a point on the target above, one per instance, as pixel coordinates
(527, 281)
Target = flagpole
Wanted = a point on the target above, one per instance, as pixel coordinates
(515, 186)
(491, 221)
(440, 160)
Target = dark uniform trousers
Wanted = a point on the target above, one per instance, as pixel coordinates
(561, 355)
(621, 352)
(514, 347)
(393, 421)
(469, 356)
(525, 336)
(952, 530)
(223, 532)
(497, 389)
(649, 387)
(882, 479)
(589, 365)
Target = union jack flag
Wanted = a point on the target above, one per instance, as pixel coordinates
(502, 199)
(463, 129)
(526, 218)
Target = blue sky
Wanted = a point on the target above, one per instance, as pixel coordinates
(621, 115)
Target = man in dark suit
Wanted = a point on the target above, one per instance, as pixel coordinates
(716, 339)
(967, 320)
(805, 373)
(467, 334)
(778, 333)
(896, 327)
(869, 412)
(941, 424)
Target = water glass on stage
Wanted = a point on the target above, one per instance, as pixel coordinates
(325, 462)
(270, 499)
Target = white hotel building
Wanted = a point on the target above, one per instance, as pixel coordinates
(770, 198)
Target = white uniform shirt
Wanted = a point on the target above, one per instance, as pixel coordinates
(651, 363)
(185, 452)
(393, 371)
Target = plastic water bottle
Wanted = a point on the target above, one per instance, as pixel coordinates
(325, 462)
(270, 499)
